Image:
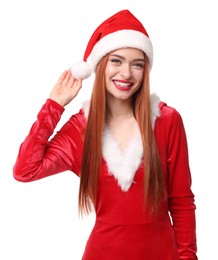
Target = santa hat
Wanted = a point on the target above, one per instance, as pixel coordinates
(121, 30)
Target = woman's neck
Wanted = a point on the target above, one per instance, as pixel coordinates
(118, 110)
(120, 120)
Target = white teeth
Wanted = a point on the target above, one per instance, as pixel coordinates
(121, 84)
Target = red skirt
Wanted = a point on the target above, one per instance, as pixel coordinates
(152, 241)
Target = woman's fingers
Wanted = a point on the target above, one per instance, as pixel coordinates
(67, 78)
(66, 88)
(77, 85)
(62, 77)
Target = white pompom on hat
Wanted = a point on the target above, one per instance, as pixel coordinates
(122, 30)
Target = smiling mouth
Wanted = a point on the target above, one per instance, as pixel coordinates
(125, 86)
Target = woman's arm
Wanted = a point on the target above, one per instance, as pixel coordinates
(39, 157)
(181, 199)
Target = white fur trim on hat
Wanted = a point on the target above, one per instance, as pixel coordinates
(121, 39)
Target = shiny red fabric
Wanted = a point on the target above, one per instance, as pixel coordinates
(123, 228)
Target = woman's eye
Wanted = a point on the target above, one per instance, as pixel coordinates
(139, 65)
(116, 61)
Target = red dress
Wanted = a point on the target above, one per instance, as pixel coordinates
(123, 229)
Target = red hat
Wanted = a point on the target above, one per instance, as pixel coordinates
(121, 30)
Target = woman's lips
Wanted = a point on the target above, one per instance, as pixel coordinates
(122, 85)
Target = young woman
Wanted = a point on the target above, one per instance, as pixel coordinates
(128, 148)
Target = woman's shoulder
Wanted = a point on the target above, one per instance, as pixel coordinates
(79, 118)
(169, 116)
(161, 111)
(167, 111)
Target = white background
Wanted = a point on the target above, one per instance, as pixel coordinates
(40, 39)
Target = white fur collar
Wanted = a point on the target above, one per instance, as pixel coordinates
(124, 165)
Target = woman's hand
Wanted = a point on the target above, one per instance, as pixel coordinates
(66, 88)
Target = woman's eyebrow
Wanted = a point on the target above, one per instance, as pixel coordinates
(121, 57)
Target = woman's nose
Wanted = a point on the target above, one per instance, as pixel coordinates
(125, 71)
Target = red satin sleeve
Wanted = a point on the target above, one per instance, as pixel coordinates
(181, 203)
(40, 157)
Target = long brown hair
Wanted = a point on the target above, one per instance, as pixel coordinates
(154, 186)
(154, 190)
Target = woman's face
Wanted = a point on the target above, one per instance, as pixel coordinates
(124, 72)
